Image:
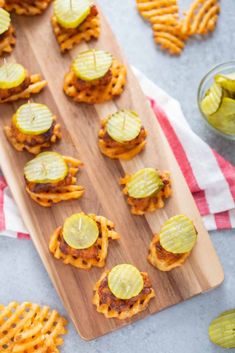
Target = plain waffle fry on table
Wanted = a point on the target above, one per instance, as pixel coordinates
(170, 30)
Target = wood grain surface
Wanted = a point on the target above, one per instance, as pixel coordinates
(37, 49)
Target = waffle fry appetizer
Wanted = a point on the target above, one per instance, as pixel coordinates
(95, 77)
(16, 83)
(83, 240)
(2, 3)
(146, 190)
(27, 327)
(174, 244)
(7, 33)
(51, 178)
(122, 292)
(122, 135)
(75, 21)
(33, 128)
(27, 7)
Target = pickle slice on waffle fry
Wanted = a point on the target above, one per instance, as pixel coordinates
(11, 75)
(144, 183)
(33, 118)
(211, 102)
(226, 81)
(80, 231)
(5, 20)
(47, 167)
(222, 329)
(178, 235)
(71, 13)
(124, 126)
(125, 281)
(92, 64)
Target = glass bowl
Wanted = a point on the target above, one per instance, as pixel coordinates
(206, 82)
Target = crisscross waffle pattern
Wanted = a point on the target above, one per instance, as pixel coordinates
(8, 41)
(149, 204)
(134, 308)
(68, 38)
(106, 232)
(125, 151)
(162, 259)
(24, 8)
(29, 328)
(99, 94)
(170, 31)
(36, 85)
(61, 193)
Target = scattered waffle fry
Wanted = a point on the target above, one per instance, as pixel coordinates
(61, 193)
(97, 94)
(153, 8)
(25, 8)
(36, 85)
(162, 259)
(111, 307)
(29, 328)
(8, 41)
(107, 232)
(67, 38)
(148, 204)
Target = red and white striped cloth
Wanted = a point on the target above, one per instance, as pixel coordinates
(210, 177)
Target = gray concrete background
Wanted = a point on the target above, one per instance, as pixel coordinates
(182, 328)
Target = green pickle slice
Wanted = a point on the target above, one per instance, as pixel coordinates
(47, 167)
(178, 235)
(80, 231)
(125, 281)
(92, 64)
(144, 183)
(71, 13)
(11, 75)
(222, 329)
(210, 103)
(33, 118)
(124, 126)
(226, 81)
(224, 118)
(5, 20)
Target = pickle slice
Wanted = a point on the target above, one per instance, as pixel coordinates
(33, 118)
(5, 20)
(71, 13)
(124, 126)
(80, 231)
(144, 183)
(222, 330)
(226, 81)
(178, 235)
(47, 167)
(11, 75)
(210, 103)
(125, 281)
(92, 64)
(224, 118)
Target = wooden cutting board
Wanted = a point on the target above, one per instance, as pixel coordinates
(38, 51)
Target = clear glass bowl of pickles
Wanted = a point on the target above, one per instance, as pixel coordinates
(216, 99)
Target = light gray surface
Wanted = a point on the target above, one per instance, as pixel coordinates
(182, 328)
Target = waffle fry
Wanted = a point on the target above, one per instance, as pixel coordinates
(162, 259)
(107, 232)
(24, 8)
(2, 3)
(152, 8)
(29, 328)
(125, 151)
(20, 144)
(97, 94)
(60, 193)
(36, 85)
(121, 309)
(149, 204)
(8, 41)
(68, 38)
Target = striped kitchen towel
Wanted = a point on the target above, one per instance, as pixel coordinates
(210, 177)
